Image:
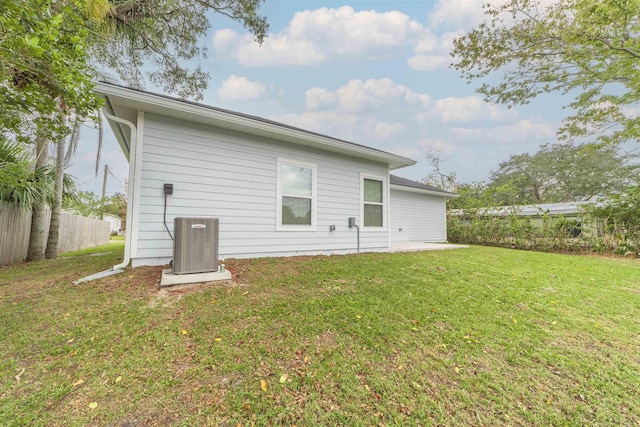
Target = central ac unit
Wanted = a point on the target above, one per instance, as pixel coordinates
(195, 248)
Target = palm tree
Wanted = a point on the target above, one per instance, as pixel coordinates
(62, 161)
(31, 189)
(21, 185)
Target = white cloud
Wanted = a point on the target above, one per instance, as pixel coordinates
(277, 50)
(384, 130)
(315, 36)
(432, 51)
(224, 39)
(409, 151)
(457, 14)
(448, 20)
(468, 109)
(237, 88)
(351, 127)
(363, 129)
(467, 14)
(318, 97)
(429, 62)
(523, 130)
(369, 95)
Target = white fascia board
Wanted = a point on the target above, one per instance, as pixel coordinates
(156, 104)
(423, 191)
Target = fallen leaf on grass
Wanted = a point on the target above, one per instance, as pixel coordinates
(93, 405)
(358, 316)
(184, 332)
(514, 320)
(77, 383)
(283, 378)
(263, 385)
(118, 379)
(71, 340)
(218, 339)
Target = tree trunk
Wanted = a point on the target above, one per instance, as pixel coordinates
(56, 208)
(39, 213)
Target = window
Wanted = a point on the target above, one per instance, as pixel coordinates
(373, 196)
(296, 196)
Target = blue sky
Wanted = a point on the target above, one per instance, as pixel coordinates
(371, 72)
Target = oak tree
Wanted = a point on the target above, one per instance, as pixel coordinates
(586, 49)
(565, 173)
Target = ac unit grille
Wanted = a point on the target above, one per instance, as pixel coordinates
(195, 246)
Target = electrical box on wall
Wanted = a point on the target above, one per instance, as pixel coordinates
(195, 247)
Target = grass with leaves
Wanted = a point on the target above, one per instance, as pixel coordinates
(479, 336)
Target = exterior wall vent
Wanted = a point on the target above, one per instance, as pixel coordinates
(195, 247)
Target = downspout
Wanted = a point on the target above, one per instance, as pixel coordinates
(130, 189)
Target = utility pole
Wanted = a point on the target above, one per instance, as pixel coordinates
(104, 190)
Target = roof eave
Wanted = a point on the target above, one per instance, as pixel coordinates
(444, 194)
(152, 103)
(121, 136)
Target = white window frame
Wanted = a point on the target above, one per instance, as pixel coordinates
(279, 194)
(384, 204)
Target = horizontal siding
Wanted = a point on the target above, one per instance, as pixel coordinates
(218, 173)
(421, 217)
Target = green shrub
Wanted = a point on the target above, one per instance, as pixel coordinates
(544, 233)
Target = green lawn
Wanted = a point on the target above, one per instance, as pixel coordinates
(479, 336)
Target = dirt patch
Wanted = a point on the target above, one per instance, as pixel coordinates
(144, 282)
(138, 282)
(244, 269)
(170, 294)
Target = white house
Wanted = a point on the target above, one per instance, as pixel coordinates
(115, 223)
(276, 189)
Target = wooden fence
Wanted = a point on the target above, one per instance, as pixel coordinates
(76, 232)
